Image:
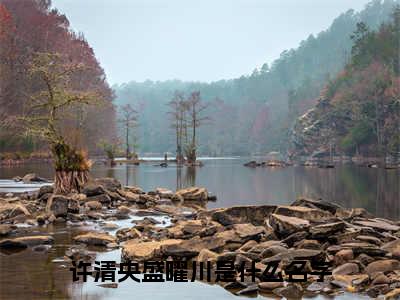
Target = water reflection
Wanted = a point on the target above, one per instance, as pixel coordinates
(29, 274)
(377, 190)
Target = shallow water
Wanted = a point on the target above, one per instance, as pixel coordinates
(33, 275)
(376, 190)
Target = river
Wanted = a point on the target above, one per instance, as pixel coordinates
(44, 275)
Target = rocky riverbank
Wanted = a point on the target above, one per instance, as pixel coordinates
(363, 251)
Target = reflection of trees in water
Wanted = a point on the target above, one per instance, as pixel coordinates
(130, 175)
(388, 193)
(33, 273)
(189, 178)
(179, 177)
(110, 173)
(377, 190)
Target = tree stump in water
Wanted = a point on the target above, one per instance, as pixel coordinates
(70, 181)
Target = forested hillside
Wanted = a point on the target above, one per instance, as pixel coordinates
(254, 113)
(359, 111)
(30, 29)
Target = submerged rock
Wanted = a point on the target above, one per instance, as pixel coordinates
(323, 230)
(26, 241)
(92, 189)
(33, 178)
(323, 205)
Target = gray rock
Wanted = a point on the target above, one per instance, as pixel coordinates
(46, 189)
(384, 265)
(306, 213)
(110, 184)
(255, 215)
(33, 178)
(58, 205)
(284, 225)
(292, 291)
(346, 269)
(102, 198)
(324, 230)
(92, 189)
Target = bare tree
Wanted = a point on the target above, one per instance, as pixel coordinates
(45, 110)
(178, 114)
(128, 120)
(195, 108)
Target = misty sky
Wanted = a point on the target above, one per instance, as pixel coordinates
(203, 40)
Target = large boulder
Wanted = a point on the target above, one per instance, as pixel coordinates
(164, 193)
(110, 184)
(359, 248)
(206, 255)
(45, 189)
(33, 178)
(384, 265)
(95, 238)
(253, 214)
(284, 225)
(58, 205)
(324, 230)
(93, 205)
(393, 248)
(377, 224)
(319, 204)
(141, 251)
(248, 231)
(306, 213)
(128, 234)
(92, 189)
(346, 269)
(26, 241)
(193, 194)
(11, 210)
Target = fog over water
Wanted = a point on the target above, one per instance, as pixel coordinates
(195, 40)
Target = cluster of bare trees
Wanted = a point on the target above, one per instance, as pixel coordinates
(128, 120)
(187, 116)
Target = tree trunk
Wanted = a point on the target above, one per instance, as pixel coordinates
(70, 181)
(127, 142)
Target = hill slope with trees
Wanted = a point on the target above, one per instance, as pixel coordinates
(358, 112)
(32, 28)
(254, 113)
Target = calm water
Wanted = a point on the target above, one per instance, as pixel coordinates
(376, 190)
(34, 275)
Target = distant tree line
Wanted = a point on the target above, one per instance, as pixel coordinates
(255, 113)
(187, 114)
